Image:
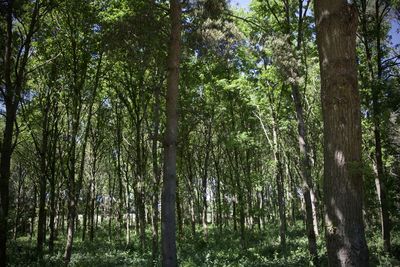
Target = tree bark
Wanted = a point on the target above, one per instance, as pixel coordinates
(44, 153)
(336, 23)
(169, 257)
(52, 183)
(205, 178)
(156, 174)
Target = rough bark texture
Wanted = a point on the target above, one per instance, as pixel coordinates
(169, 184)
(336, 23)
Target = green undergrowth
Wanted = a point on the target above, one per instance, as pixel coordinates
(219, 248)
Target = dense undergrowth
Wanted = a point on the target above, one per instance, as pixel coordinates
(260, 248)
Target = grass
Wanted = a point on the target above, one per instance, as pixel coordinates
(219, 249)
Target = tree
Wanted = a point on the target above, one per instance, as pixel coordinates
(376, 82)
(15, 63)
(169, 180)
(336, 23)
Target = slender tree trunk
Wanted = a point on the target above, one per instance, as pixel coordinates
(336, 23)
(21, 180)
(33, 213)
(305, 168)
(169, 258)
(92, 215)
(380, 175)
(280, 186)
(72, 183)
(52, 183)
(375, 83)
(218, 192)
(205, 178)
(43, 179)
(141, 220)
(156, 174)
(128, 209)
(305, 161)
(70, 222)
(119, 168)
(86, 213)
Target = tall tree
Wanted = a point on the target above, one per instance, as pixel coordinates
(336, 23)
(14, 77)
(375, 81)
(168, 221)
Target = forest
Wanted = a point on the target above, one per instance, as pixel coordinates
(200, 133)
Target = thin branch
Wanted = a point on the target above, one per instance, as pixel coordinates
(44, 63)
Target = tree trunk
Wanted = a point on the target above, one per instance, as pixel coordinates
(376, 85)
(305, 161)
(336, 23)
(12, 94)
(169, 186)
(279, 185)
(380, 175)
(128, 209)
(179, 210)
(218, 192)
(156, 174)
(205, 178)
(72, 183)
(52, 183)
(43, 178)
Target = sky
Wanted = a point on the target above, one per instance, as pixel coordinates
(241, 3)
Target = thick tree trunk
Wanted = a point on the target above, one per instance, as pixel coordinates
(336, 23)
(169, 257)
(6, 145)
(6, 151)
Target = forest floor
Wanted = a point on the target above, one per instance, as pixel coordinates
(221, 249)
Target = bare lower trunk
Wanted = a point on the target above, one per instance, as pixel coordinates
(380, 175)
(375, 82)
(336, 23)
(70, 231)
(156, 175)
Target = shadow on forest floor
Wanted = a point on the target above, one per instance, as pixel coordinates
(260, 248)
